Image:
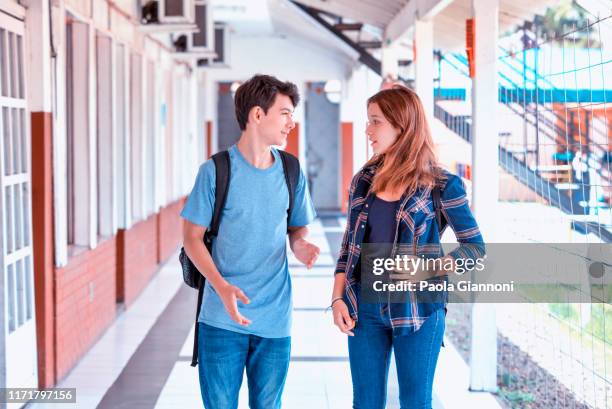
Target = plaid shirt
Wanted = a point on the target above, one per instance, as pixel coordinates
(416, 233)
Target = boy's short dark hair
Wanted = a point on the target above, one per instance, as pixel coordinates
(261, 90)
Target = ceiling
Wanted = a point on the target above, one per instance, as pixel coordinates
(449, 23)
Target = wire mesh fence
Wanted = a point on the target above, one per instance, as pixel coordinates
(555, 134)
(555, 103)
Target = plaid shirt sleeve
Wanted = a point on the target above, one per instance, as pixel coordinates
(343, 253)
(457, 212)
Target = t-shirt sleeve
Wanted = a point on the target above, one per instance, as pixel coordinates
(303, 209)
(200, 203)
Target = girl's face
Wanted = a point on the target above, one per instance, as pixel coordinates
(380, 132)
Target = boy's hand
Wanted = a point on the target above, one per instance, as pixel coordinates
(306, 252)
(230, 294)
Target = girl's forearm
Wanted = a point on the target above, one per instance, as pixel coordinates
(339, 279)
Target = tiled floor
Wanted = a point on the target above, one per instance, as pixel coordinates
(106, 360)
(143, 360)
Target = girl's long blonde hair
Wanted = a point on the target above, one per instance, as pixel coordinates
(410, 162)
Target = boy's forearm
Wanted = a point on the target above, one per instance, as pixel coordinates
(296, 234)
(201, 258)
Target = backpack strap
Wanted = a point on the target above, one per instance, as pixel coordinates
(222, 178)
(291, 167)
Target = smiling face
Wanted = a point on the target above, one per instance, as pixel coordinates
(277, 123)
(379, 130)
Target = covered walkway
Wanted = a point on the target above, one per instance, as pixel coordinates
(109, 107)
(143, 360)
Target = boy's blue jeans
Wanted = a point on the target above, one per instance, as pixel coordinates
(222, 358)
(416, 356)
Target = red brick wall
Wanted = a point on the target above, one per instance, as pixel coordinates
(85, 303)
(170, 225)
(137, 258)
(75, 304)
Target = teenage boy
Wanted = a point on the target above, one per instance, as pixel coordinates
(245, 317)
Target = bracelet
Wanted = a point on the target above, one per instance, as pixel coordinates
(332, 303)
(334, 300)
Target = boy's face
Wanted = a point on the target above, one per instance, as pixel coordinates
(278, 122)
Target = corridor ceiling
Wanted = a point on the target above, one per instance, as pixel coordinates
(396, 17)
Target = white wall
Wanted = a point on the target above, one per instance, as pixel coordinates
(292, 60)
(288, 59)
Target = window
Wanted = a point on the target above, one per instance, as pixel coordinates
(122, 151)
(79, 167)
(150, 139)
(105, 145)
(171, 145)
(136, 145)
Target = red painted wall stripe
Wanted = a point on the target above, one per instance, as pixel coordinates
(209, 145)
(347, 161)
(42, 228)
(293, 141)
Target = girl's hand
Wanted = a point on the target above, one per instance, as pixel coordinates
(342, 318)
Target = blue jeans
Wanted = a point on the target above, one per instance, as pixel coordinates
(416, 356)
(222, 358)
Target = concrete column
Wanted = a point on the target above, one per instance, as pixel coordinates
(211, 90)
(390, 56)
(485, 147)
(361, 85)
(42, 89)
(194, 121)
(299, 116)
(424, 64)
(201, 117)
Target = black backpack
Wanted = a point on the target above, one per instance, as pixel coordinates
(192, 277)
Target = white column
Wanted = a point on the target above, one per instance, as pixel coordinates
(46, 94)
(485, 146)
(299, 116)
(424, 64)
(195, 138)
(211, 91)
(201, 118)
(361, 85)
(39, 63)
(390, 56)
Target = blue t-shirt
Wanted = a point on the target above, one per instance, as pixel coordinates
(250, 250)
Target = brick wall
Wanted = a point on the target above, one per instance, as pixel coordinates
(117, 270)
(170, 229)
(137, 258)
(85, 303)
